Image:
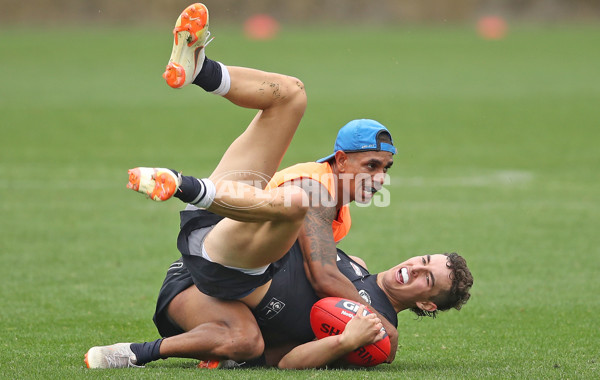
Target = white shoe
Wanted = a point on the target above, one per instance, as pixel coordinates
(118, 355)
(191, 36)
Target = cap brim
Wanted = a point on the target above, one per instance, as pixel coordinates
(326, 158)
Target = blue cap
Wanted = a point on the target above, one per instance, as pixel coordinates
(360, 136)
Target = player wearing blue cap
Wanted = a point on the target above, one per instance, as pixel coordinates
(265, 212)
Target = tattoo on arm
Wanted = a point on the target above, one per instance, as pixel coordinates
(317, 236)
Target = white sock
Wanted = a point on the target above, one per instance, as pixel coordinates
(205, 198)
(225, 85)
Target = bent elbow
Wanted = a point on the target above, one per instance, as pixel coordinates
(326, 287)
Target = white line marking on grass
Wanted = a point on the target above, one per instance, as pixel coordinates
(500, 177)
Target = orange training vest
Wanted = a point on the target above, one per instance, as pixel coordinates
(320, 172)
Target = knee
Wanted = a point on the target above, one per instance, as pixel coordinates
(245, 344)
(299, 204)
(295, 94)
(295, 204)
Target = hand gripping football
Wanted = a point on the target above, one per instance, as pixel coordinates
(329, 316)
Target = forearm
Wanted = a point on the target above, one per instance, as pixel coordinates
(315, 354)
(338, 288)
(329, 284)
(361, 330)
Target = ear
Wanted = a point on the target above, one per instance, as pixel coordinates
(427, 306)
(341, 159)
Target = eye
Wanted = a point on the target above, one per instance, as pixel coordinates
(424, 262)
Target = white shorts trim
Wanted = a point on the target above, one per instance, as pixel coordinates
(252, 271)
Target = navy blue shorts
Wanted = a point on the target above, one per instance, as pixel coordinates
(177, 280)
(211, 278)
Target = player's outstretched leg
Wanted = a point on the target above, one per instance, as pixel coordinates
(280, 100)
(191, 35)
(245, 204)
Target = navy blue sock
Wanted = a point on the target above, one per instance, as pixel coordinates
(210, 76)
(190, 189)
(146, 352)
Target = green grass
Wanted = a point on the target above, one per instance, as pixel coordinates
(498, 160)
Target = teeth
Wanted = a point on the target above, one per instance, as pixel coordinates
(404, 273)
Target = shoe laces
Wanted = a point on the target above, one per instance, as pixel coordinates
(115, 360)
(208, 39)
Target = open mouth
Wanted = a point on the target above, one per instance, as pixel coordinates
(368, 192)
(402, 276)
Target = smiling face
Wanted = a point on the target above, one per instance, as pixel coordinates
(416, 281)
(362, 174)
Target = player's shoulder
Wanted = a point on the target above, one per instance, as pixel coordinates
(350, 266)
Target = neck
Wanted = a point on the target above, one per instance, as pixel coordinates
(339, 188)
(398, 304)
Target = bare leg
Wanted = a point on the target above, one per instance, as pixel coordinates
(253, 158)
(281, 100)
(215, 329)
(255, 155)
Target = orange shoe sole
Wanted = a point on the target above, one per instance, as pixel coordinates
(209, 364)
(192, 21)
(86, 360)
(165, 187)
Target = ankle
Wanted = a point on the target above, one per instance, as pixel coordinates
(197, 192)
(146, 352)
(214, 77)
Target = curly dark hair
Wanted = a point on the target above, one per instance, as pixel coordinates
(458, 295)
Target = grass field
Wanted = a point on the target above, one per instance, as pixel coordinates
(498, 160)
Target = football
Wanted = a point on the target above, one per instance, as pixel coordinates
(329, 316)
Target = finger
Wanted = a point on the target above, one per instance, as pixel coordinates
(379, 328)
(361, 311)
(380, 335)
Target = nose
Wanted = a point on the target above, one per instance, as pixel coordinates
(379, 179)
(416, 269)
